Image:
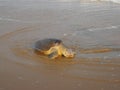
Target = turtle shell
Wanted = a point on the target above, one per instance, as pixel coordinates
(46, 44)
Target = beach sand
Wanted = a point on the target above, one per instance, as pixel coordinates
(91, 29)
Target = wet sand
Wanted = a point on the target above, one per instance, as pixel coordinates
(92, 30)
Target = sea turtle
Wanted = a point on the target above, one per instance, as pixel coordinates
(53, 48)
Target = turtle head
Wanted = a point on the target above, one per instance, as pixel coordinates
(68, 53)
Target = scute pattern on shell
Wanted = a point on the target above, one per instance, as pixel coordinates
(46, 44)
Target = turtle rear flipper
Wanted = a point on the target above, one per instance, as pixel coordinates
(53, 55)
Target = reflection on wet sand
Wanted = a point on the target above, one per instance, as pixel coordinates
(82, 67)
(96, 43)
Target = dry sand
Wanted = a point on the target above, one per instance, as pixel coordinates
(90, 29)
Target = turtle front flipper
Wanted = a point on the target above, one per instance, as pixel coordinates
(53, 55)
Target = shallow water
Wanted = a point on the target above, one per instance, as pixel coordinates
(93, 63)
(91, 30)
